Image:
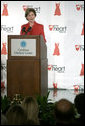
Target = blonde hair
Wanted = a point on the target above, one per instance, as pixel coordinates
(16, 115)
(31, 107)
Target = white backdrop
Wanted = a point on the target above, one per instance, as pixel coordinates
(64, 31)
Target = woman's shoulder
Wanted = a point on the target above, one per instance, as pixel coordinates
(24, 25)
(40, 25)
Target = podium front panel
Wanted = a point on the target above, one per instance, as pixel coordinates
(23, 77)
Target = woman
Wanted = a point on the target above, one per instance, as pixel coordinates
(32, 27)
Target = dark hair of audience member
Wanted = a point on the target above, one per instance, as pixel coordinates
(64, 112)
(79, 103)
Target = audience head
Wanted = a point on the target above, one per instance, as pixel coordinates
(16, 115)
(31, 106)
(79, 103)
(64, 111)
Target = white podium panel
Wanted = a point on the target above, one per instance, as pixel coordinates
(23, 47)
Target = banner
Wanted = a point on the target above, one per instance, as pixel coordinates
(64, 31)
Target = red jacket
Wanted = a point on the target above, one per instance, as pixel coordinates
(37, 29)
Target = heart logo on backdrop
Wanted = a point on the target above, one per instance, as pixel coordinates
(78, 7)
(25, 7)
(50, 27)
(49, 67)
(77, 47)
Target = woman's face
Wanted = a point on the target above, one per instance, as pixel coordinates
(31, 17)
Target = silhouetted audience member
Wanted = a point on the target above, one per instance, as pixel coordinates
(79, 105)
(3, 120)
(64, 112)
(31, 107)
(16, 115)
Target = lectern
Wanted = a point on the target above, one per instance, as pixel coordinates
(27, 64)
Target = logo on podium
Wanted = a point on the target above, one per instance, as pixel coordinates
(23, 44)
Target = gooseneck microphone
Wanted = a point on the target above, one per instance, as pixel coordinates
(29, 29)
(24, 30)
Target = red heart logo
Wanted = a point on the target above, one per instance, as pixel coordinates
(50, 27)
(77, 47)
(24, 7)
(76, 87)
(78, 7)
(49, 67)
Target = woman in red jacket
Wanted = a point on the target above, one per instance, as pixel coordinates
(32, 27)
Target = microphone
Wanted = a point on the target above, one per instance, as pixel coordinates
(29, 29)
(23, 29)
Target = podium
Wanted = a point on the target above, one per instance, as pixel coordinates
(27, 65)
